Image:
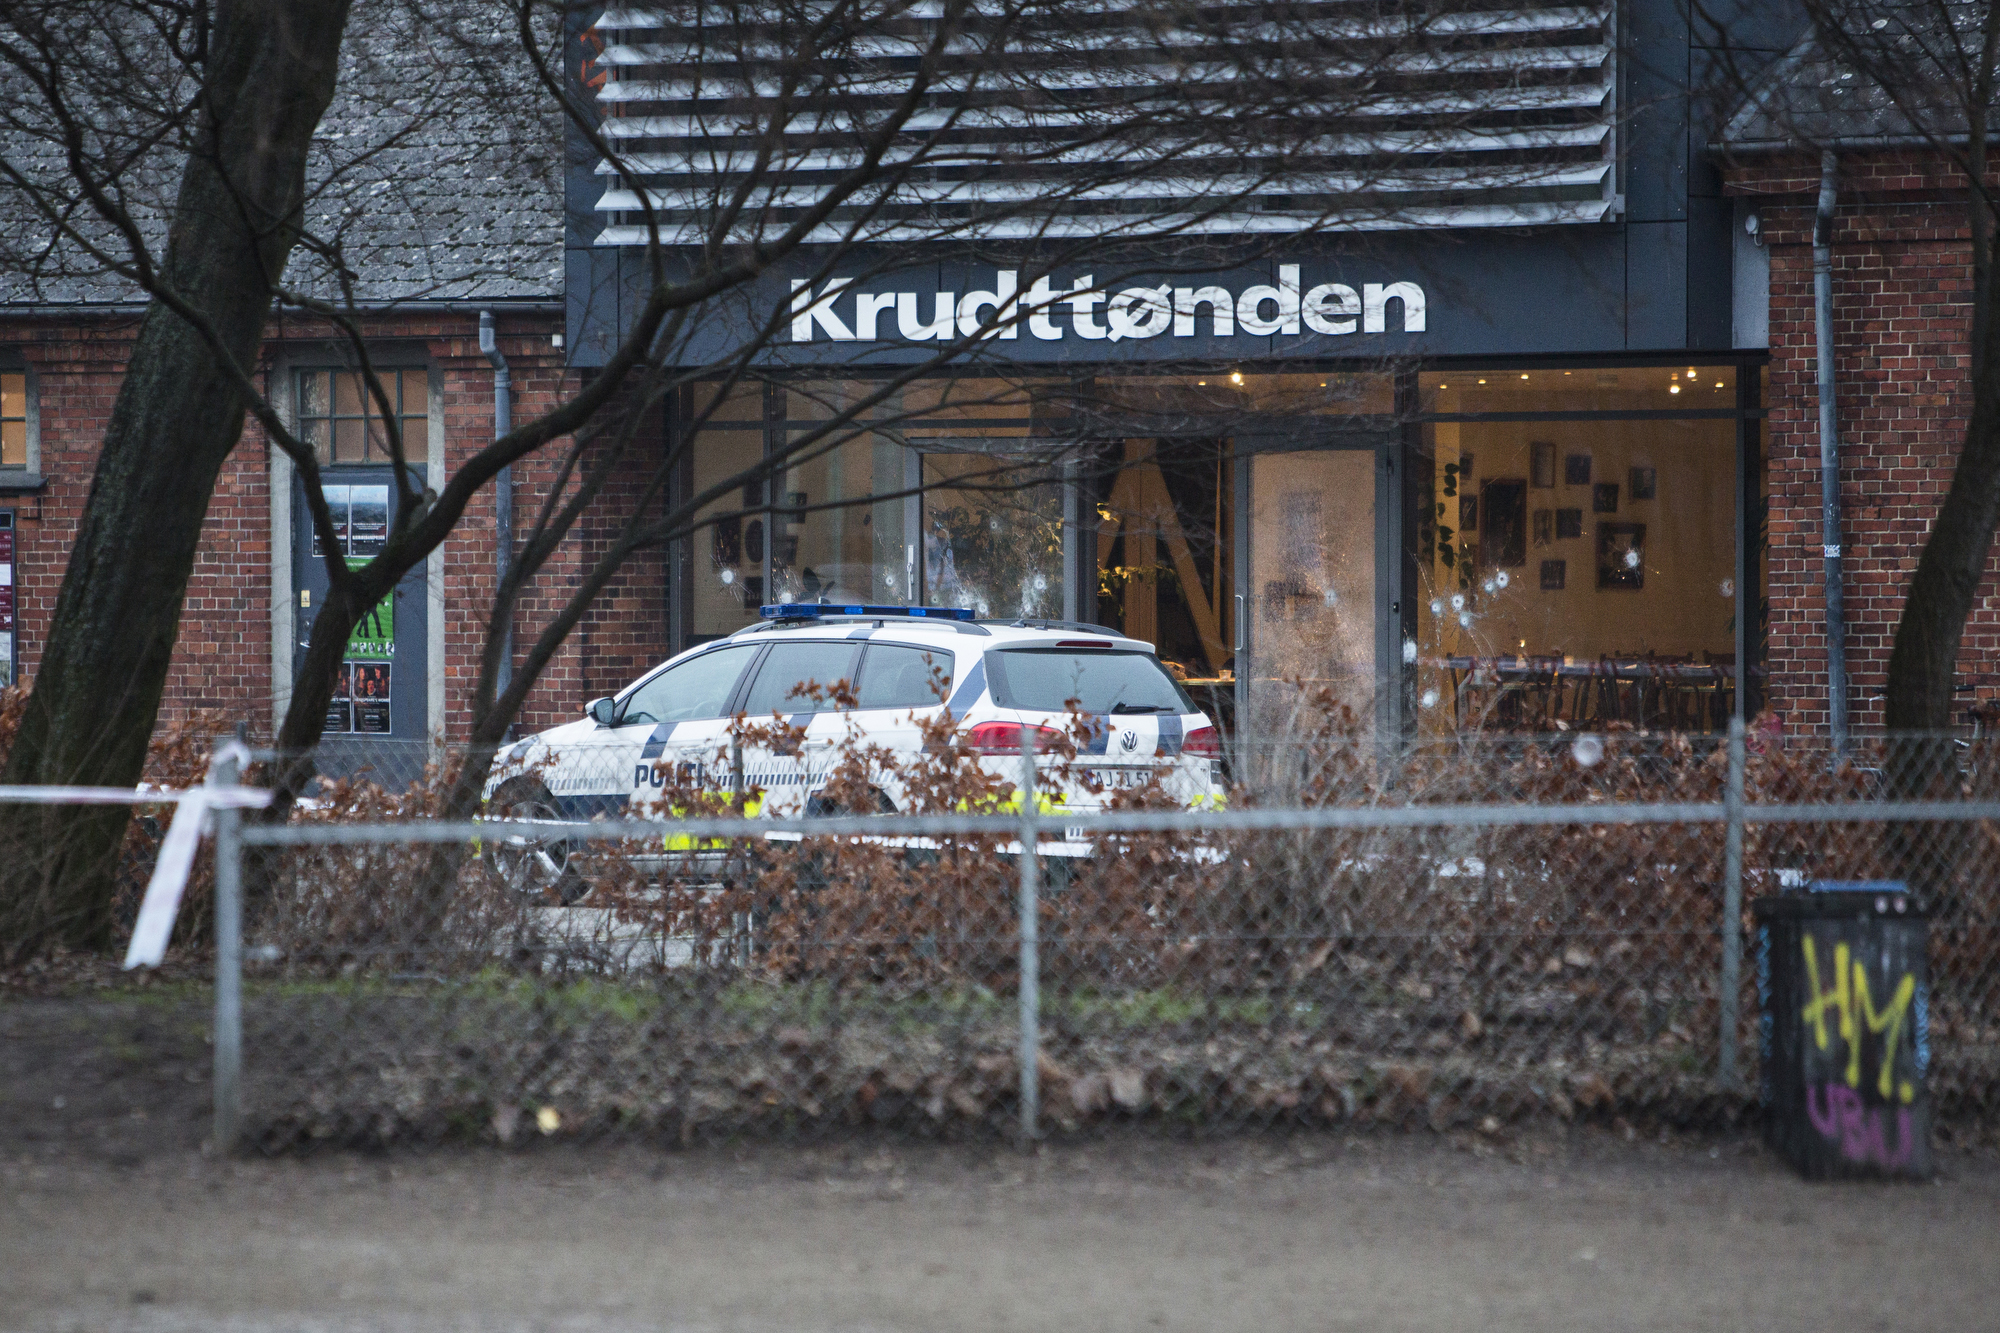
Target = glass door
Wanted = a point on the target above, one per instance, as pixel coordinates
(1163, 509)
(1309, 592)
(381, 694)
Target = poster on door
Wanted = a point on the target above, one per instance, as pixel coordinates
(360, 705)
(340, 709)
(375, 637)
(6, 598)
(371, 698)
(360, 517)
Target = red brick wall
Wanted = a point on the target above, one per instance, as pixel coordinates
(223, 659)
(1902, 315)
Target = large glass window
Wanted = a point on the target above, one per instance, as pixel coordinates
(993, 534)
(725, 583)
(1577, 570)
(13, 419)
(1572, 534)
(844, 516)
(1312, 570)
(1163, 514)
(343, 422)
(831, 538)
(1165, 509)
(990, 519)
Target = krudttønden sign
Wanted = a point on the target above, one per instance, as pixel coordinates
(834, 314)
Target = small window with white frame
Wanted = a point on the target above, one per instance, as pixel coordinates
(342, 420)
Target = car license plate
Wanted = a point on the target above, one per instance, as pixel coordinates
(1119, 779)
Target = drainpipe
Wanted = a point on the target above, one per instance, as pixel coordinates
(1829, 459)
(503, 490)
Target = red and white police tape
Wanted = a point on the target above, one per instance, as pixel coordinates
(162, 902)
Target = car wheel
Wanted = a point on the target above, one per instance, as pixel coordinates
(532, 864)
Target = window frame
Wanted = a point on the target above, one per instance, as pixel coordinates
(32, 407)
(416, 425)
(624, 698)
(950, 661)
(750, 682)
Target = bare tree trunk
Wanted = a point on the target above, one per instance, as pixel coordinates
(1924, 657)
(271, 72)
(1923, 661)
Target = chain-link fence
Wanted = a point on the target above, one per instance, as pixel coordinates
(1337, 933)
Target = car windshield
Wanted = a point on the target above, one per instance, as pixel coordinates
(1046, 679)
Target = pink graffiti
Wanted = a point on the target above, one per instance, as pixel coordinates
(1840, 1117)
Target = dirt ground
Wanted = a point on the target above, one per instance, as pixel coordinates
(113, 1218)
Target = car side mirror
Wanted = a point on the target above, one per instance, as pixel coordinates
(604, 712)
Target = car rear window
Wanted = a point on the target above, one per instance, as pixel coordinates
(1101, 681)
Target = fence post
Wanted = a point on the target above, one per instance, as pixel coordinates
(1031, 962)
(1732, 908)
(228, 964)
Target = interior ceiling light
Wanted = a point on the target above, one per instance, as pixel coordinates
(1673, 388)
(1482, 381)
(1235, 377)
(1524, 377)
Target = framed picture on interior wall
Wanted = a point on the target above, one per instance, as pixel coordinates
(1569, 523)
(1644, 479)
(1542, 464)
(1604, 498)
(1576, 469)
(1468, 513)
(1554, 574)
(1621, 555)
(1503, 540)
(1545, 526)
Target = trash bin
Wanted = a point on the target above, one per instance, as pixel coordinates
(1844, 994)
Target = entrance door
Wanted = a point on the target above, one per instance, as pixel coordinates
(1315, 623)
(1163, 551)
(379, 709)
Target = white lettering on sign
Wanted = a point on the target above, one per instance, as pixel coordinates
(1098, 315)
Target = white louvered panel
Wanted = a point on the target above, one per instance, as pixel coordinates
(1498, 117)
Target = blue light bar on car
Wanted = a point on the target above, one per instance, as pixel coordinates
(813, 610)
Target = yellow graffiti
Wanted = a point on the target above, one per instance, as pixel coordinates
(1854, 1009)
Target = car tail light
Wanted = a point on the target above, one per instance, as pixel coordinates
(1203, 743)
(1005, 737)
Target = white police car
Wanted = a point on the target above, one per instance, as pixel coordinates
(672, 727)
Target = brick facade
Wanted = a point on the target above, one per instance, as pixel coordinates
(224, 655)
(1902, 287)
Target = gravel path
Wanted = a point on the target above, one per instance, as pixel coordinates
(1579, 1229)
